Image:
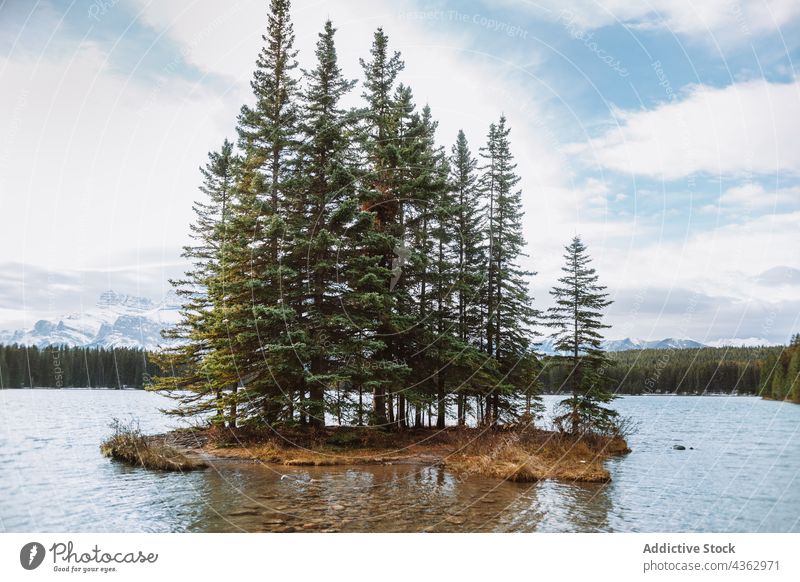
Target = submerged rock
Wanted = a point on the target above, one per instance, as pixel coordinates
(244, 512)
(455, 519)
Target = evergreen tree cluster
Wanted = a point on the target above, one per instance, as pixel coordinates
(345, 266)
(740, 370)
(780, 373)
(63, 367)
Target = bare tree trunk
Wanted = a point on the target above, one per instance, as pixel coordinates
(338, 404)
(379, 406)
(401, 411)
(316, 396)
(360, 406)
(441, 404)
(220, 406)
(232, 421)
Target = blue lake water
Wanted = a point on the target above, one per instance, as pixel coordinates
(741, 476)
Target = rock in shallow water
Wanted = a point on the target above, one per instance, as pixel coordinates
(455, 520)
(243, 512)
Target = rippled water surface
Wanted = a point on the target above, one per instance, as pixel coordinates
(741, 476)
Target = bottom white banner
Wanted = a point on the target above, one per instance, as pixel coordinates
(356, 557)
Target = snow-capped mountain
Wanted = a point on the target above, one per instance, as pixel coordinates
(669, 343)
(120, 320)
(736, 342)
(117, 320)
(622, 345)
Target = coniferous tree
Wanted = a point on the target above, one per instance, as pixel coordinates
(767, 370)
(470, 252)
(353, 260)
(326, 209)
(778, 382)
(577, 320)
(509, 315)
(431, 232)
(200, 378)
(411, 178)
(383, 241)
(261, 317)
(793, 375)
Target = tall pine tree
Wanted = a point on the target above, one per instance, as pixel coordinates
(509, 315)
(577, 320)
(262, 320)
(202, 375)
(379, 195)
(326, 209)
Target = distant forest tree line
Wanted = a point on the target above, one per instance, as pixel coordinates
(725, 370)
(74, 367)
(772, 372)
(781, 377)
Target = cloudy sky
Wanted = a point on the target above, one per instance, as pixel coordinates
(664, 132)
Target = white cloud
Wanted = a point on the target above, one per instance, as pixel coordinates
(740, 129)
(103, 165)
(714, 20)
(103, 168)
(708, 285)
(753, 196)
(722, 261)
(94, 165)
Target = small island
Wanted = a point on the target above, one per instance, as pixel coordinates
(513, 454)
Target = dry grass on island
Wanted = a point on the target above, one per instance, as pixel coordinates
(507, 453)
(128, 445)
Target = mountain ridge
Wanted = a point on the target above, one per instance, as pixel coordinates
(124, 320)
(117, 320)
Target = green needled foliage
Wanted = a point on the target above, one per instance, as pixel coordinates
(508, 308)
(345, 267)
(577, 321)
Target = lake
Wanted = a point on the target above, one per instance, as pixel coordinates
(741, 476)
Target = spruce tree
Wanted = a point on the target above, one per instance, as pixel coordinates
(349, 256)
(778, 386)
(577, 320)
(379, 197)
(476, 374)
(509, 315)
(260, 319)
(326, 209)
(430, 232)
(793, 376)
(200, 377)
(471, 250)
